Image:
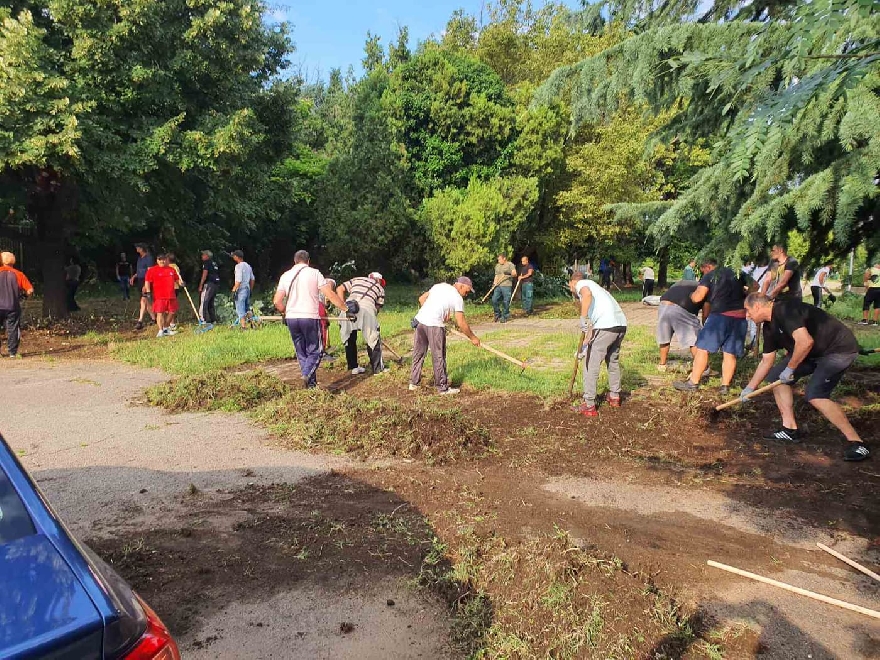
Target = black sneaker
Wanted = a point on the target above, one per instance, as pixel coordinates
(496, 319)
(791, 436)
(139, 325)
(724, 390)
(685, 386)
(857, 451)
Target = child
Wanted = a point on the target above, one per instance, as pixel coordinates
(160, 281)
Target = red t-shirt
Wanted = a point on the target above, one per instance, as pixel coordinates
(162, 280)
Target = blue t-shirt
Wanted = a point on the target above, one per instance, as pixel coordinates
(144, 263)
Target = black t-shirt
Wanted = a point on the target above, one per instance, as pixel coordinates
(210, 267)
(123, 269)
(680, 294)
(792, 290)
(525, 269)
(830, 336)
(726, 292)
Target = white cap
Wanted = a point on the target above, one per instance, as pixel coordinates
(375, 275)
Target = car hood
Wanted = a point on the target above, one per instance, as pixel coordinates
(43, 607)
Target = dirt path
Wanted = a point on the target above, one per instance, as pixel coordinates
(117, 470)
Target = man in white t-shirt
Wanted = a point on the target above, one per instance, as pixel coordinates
(604, 323)
(647, 281)
(243, 284)
(438, 304)
(297, 297)
(817, 285)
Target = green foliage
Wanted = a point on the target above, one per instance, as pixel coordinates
(470, 227)
(217, 391)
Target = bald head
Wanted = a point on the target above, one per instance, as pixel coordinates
(7, 258)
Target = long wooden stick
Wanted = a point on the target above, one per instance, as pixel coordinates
(577, 364)
(847, 560)
(796, 590)
(392, 351)
(757, 392)
(515, 289)
(494, 286)
(495, 351)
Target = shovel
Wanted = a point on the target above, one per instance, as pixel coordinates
(761, 390)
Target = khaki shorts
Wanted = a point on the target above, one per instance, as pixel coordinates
(675, 320)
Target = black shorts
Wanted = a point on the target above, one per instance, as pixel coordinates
(139, 285)
(872, 297)
(826, 370)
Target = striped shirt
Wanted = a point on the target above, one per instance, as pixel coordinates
(361, 288)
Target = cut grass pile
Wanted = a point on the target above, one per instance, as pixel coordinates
(217, 391)
(343, 424)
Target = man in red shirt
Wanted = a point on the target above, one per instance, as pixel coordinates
(13, 285)
(159, 282)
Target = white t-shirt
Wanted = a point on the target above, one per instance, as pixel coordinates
(244, 273)
(442, 302)
(604, 311)
(816, 282)
(647, 273)
(303, 300)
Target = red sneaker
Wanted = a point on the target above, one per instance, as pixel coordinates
(614, 401)
(586, 410)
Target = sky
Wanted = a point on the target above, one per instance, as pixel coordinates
(331, 33)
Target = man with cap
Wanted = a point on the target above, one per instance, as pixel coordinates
(605, 324)
(297, 297)
(816, 345)
(242, 286)
(13, 286)
(209, 285)
(437, 305)
(368, 294)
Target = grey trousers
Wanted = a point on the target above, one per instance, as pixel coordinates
(604, 346)
(433, 339)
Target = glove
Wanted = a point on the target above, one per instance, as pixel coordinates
(413, 323)
(585, 324)
(351, 310)
(745, 393)
(787, 376)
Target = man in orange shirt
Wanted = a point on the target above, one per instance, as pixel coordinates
(160, 281)
(13, 286)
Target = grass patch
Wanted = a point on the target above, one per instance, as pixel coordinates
(343, 424)
(217, 391)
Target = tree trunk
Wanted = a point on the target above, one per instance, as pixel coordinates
(51, 204)
(662, 269)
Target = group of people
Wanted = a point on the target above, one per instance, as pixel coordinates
(508, 278)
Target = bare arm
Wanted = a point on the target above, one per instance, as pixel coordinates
(866, 278)
(699, 294)
(332, 296)
(423, 298)
(822, 277)
(586, 301)
(251, 284)
(202, 281)
(278, 300)
(803, 344)
(763, 369)
(340, 291)
(462, 324)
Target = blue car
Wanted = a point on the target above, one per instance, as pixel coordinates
(58, 599)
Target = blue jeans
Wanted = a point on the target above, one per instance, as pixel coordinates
(501, 302)
(528, 296)
(123, 286)
(242, 301)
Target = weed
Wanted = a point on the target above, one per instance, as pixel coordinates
(217, 391)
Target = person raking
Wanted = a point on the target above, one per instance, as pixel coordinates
(677, 317)
(503, 283)
(368, 295)
(816, 345)
(209, 285)
(14, 285)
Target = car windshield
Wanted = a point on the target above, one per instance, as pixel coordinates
(15, 523)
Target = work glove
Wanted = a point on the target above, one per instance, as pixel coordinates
(745, 393)
(413, 323)
(351, 310)
(787, 376)
(585, 324)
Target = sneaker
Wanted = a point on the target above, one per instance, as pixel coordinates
(498, 318)
(586, 410)
(685, 386)
(613, 401)
(383, 370)
(139, 325)
(724, 390)
(451, 390)
(357, 371)
(414, 388)
(863, 322)
(857, 451)
(504, 320)
(173, 326)
(875, 323)
(169, 332)
(662, 368)
(791, 436)
(706, 373)
(16, 356)
(160, 334)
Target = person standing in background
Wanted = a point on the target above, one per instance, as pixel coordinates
(244, 284)
(72, 273)
(787, 281)
(527, 284)
(647, 281)
(872, 294)
(13, 286)
(503, 283)
(818, 284)
(209, 285)
(144, 263)
(123, 275)
(690, 271)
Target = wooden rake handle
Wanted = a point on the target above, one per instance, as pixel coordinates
(577, 363)
(489, 293)
(757, 392)
(494, 351)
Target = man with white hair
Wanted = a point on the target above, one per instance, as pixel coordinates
(13, 285)
(368, 295)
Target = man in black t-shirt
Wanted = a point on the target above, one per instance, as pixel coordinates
(677, 316)
(208, 287)
(815, 343)
(786, 284)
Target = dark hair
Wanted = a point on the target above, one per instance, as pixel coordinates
(709, 261)
(237, 253)
(142, 246)
(781, 246)
(301, 257)
(170, 256)
(161, 256)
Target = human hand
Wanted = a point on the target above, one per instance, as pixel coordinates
(743, 396)
(475, 340)
(787, 376)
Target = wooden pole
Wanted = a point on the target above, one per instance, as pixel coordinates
(577, 363)
(515, 289)
(494, 351)
(847, 560)
(757, 392)
(494, 286)
(796, 590)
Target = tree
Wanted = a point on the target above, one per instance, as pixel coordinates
(787, 93)
(133, 113)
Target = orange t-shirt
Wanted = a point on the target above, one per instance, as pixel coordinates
(10, 292)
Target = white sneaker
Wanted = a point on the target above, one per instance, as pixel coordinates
(383, 370)
(358, 370)
(169, 332)
(451, 390)
(161, 333)
(173, 326)
(413, 388)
